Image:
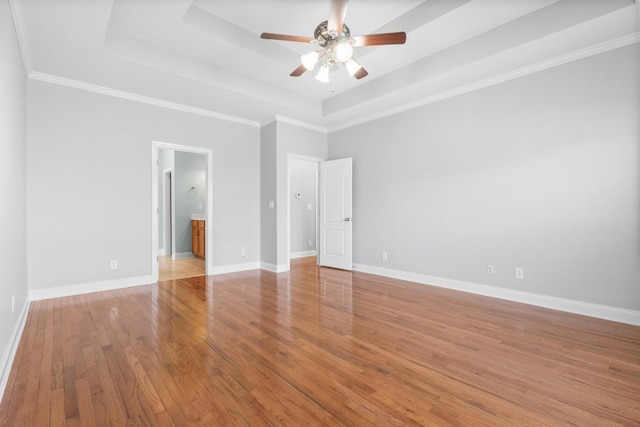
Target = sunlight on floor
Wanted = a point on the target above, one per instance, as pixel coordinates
(170, 269)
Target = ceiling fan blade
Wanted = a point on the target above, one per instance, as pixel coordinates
(298, 71)
(361, 73)
(336, 15)
(379, 39)
(287, 38)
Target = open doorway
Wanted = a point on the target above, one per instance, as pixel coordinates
(181, 211)
(302, 209)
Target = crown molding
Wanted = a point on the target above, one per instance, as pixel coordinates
(35, 75)
(18, 22)
(500, 78)
(299, 123)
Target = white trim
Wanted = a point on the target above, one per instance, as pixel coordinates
(274, 268)
(563, 304)
(87, 288)
(11, 350)
(21, 33)
(302, 254)
(35, 75)
(299, 123)
(234, 268)
(500, 78)
(183, 255)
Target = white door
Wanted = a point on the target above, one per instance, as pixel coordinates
(335, 214)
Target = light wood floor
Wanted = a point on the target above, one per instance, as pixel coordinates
(169, 269)
(316, 347)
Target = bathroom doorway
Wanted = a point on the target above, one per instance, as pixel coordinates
(182, 197)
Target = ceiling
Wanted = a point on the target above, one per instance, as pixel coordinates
(207, 57)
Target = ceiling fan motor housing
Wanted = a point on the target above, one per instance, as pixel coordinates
(326, 38)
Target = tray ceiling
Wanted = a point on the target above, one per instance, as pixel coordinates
(206, 56)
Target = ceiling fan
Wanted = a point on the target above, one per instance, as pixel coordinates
(336, 43)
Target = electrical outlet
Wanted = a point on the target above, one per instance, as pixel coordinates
(114, 264)
(519, 273)
(309, 243)
(385, 255)
(490, 269)
(243, 252)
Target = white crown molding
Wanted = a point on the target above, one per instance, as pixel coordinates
(11, 349)
(500, 78)
(299, 123)
(35, 75)
(555, 303)
(86, 288)
(21, 33)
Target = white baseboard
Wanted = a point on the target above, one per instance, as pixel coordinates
(183, 255)
(10, 352)
(302, 254)
(163, 252)
(224, 269)
(571, 306)
(85, 288)
(281, 268)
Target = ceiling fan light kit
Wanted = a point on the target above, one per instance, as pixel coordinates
(353, 66)
(323, 73)
(310, 59)
(334, 37)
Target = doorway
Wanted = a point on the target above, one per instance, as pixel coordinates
(181, 192)
(302, 206)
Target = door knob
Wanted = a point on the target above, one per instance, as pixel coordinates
(347, 219)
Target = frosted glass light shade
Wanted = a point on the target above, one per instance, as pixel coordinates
(323, 74)
(343, 51)
(352, 66)
(309, 60)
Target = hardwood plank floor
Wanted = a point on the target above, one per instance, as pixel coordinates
(316, 347)
(170, 269)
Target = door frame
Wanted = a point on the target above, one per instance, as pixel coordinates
(316, 160)
(155, 147)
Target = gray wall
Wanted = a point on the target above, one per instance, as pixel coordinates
(13, 255)
(278, 140)
(89, 184)
(293, 140)
(541, 172)
(302, 179)
(268, 215)
(190, 171)
(165, 161)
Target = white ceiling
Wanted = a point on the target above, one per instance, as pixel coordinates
(206, 56)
